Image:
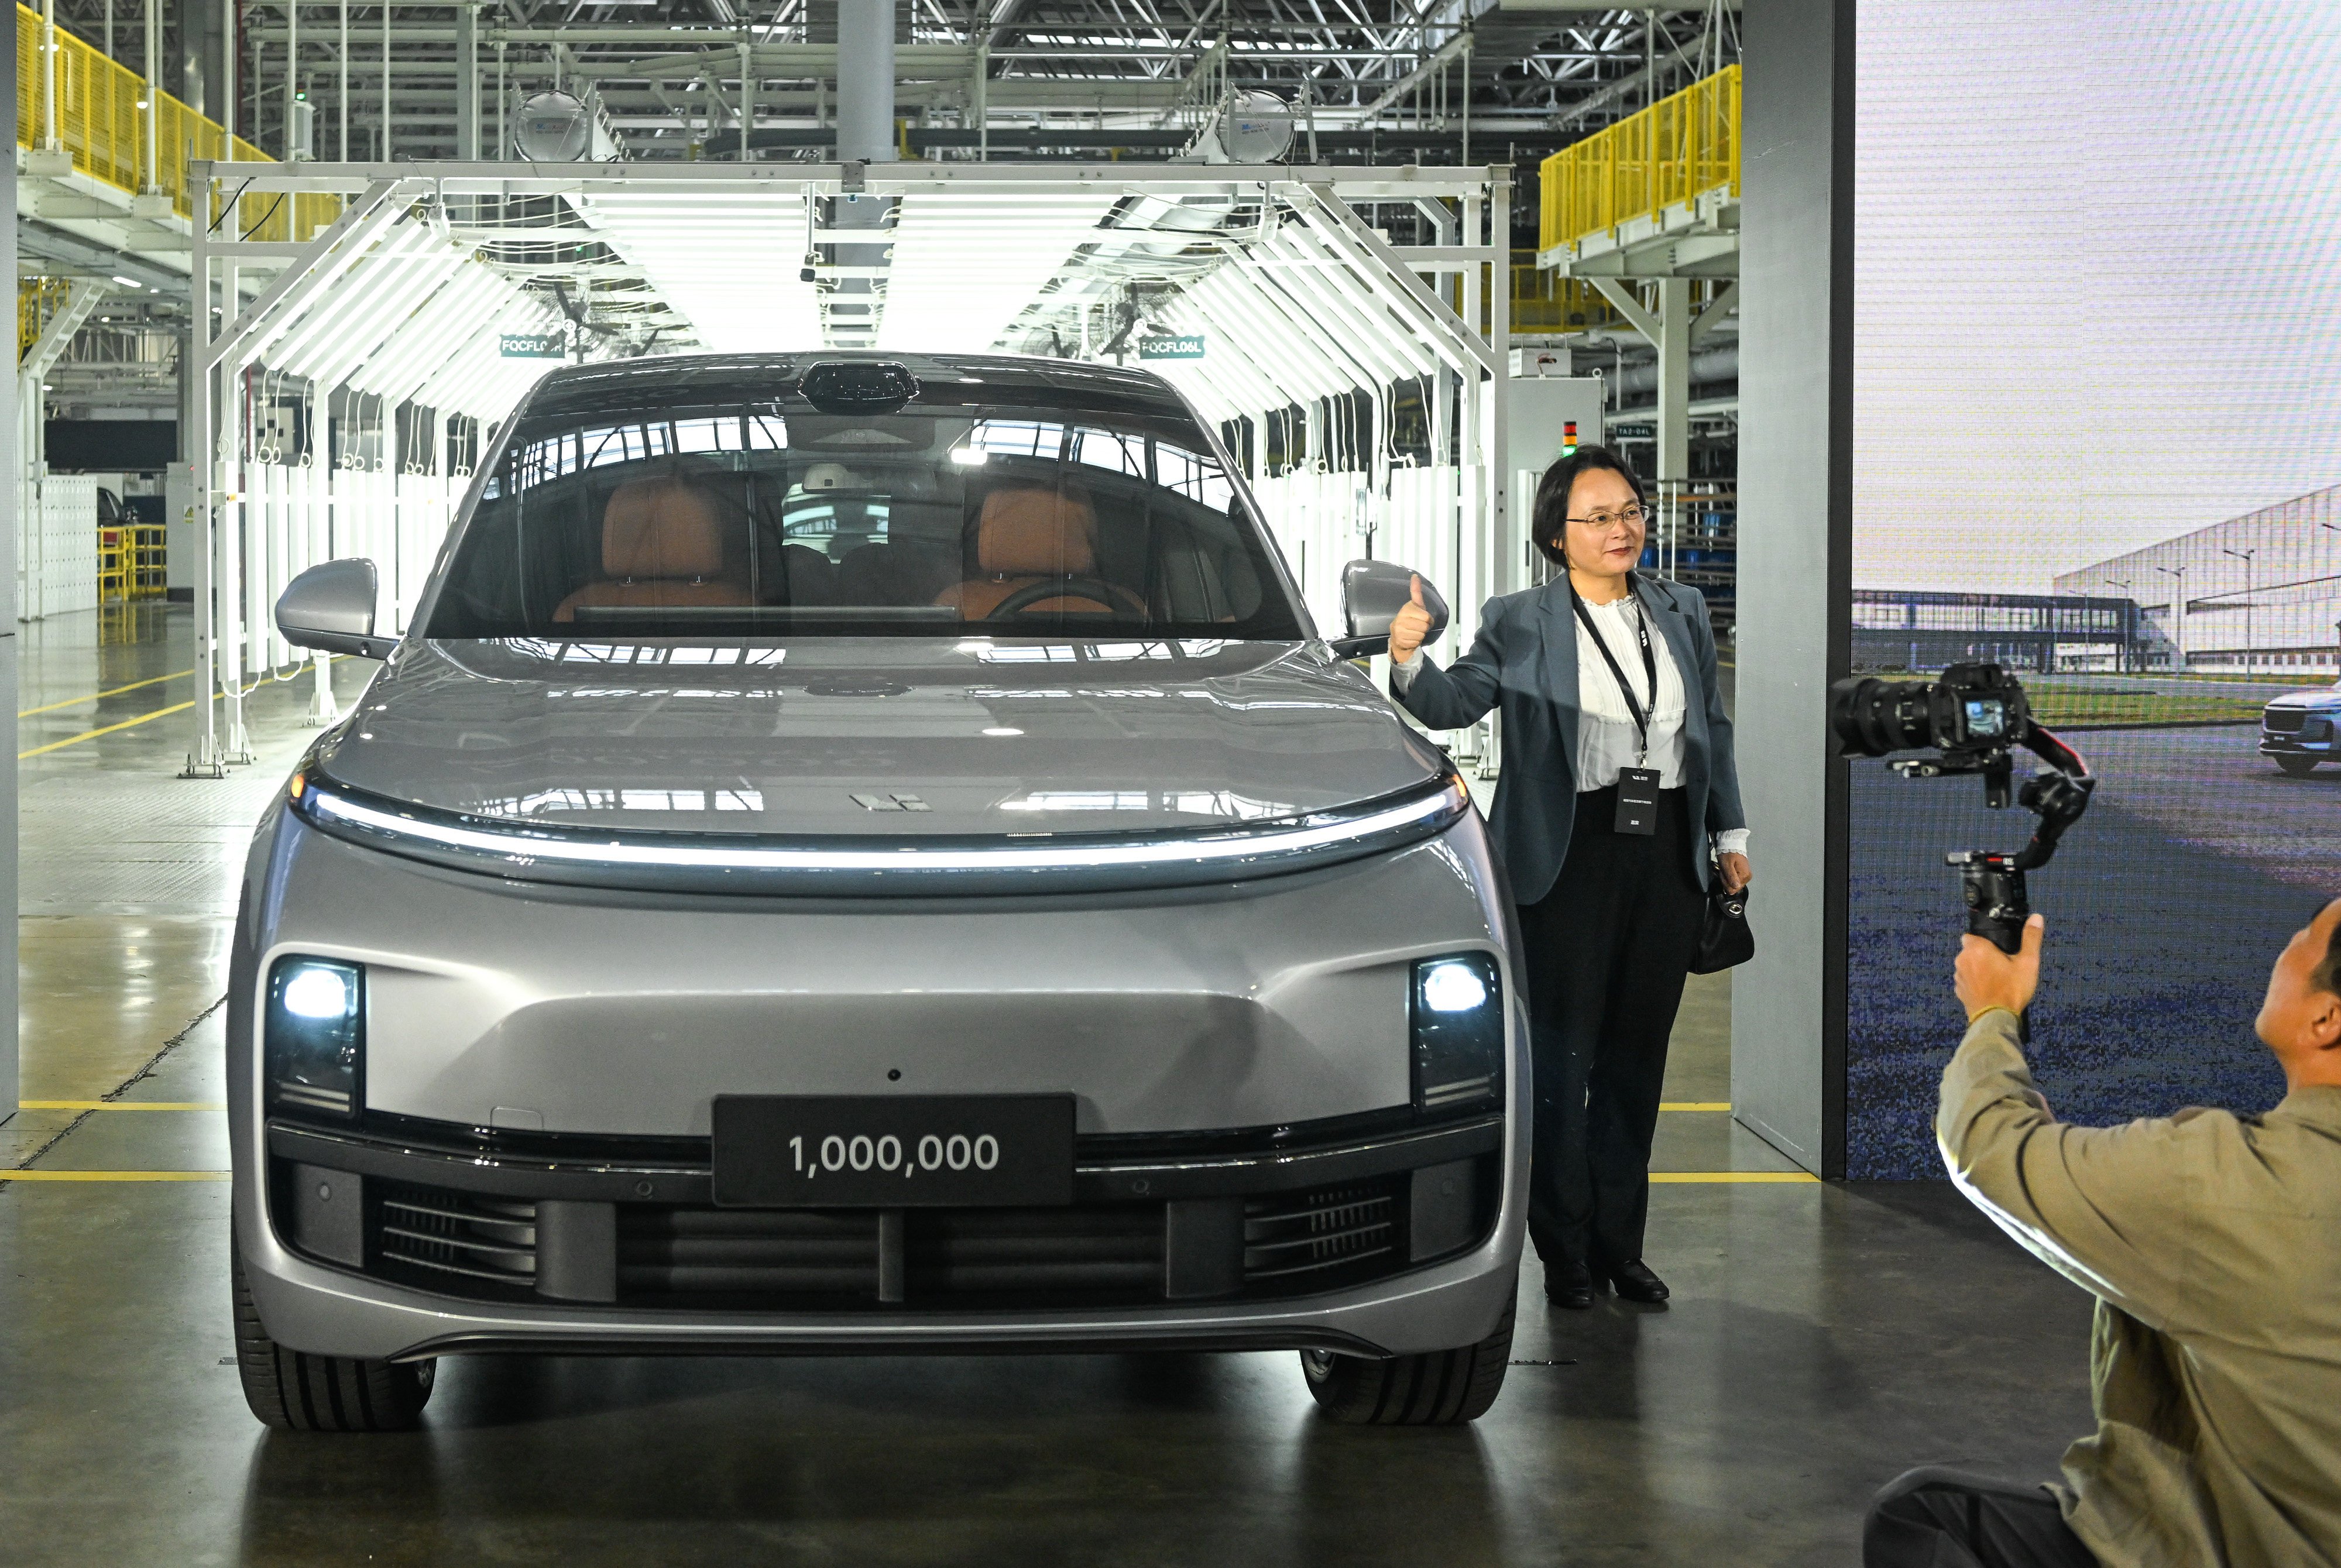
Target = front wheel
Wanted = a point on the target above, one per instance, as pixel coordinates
(2297, 767)
(1436, 1388)
(296, 1392)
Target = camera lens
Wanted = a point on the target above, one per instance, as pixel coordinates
(1873, 717)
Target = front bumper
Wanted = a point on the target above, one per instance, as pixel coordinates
(398, 1238)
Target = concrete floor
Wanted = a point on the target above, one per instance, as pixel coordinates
(1821, 1338)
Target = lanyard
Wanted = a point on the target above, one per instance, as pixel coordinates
(1625, 686)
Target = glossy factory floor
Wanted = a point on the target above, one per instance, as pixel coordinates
(1821, 1338)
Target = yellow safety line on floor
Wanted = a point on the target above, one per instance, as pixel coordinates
(157, 713)
(108, 730)
(76, 701)
(1694, 1104)
(7, 1176)
(118, 1106)
(1734, 1176)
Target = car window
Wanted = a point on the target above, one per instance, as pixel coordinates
(765, 517)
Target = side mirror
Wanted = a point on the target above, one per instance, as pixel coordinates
(1372, 593)
(331, 608)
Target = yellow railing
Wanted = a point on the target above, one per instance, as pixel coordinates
(1544, 301)
(37, 299)
(100, 123)
(1670, 152)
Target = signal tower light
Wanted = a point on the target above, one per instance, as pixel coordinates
(1569, 438)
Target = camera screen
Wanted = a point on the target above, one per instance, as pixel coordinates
(1986, 717)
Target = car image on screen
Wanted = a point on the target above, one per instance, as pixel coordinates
(2297, 729)
(867, 854)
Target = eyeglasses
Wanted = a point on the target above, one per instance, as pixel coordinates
(1633, 516)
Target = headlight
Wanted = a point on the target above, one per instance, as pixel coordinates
(1457, 1024)
(315, 1036)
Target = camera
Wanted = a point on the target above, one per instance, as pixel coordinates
(1971, 716)
(1971, 721)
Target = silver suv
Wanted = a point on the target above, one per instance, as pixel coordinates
(867, 854)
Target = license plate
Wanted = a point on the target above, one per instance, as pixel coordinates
(892, 1151)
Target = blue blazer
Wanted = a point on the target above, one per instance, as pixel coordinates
(1524, 661)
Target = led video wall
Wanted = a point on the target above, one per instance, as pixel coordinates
(2098, 438)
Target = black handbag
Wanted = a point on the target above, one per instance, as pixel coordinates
(1724, 938)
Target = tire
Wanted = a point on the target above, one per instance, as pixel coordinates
(1436, 1388)
(295, 1392)
(2297, 767)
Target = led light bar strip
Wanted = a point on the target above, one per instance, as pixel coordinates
(1322, 837)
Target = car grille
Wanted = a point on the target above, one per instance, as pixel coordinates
(686, 1257)
(2284, 721)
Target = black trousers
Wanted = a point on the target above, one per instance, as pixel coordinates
(1935, 1518)
(1605, 953)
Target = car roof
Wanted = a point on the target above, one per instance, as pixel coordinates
(628, 383)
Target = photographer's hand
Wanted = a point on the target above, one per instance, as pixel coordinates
(1986, 978)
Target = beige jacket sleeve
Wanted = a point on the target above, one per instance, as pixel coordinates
(2128, 1214)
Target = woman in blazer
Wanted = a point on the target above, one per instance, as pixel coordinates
(1618, 800)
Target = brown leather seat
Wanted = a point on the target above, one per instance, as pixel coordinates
(662, 543)
(1031, 533)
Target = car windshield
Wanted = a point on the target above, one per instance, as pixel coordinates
(745, 517)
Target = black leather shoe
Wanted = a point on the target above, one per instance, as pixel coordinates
(1635, 1283)
(1569, 1285)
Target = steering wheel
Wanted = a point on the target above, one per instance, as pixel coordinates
(1066, 587)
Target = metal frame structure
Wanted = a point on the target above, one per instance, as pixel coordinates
(403, 294)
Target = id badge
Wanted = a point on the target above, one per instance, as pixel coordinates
(1638, 800)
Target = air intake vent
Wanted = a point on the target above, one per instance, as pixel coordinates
(1315, 1241)
(442, 1233)
(770, 1252)
(779, 1258)
(2281, 720)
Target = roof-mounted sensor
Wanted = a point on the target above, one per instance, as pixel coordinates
(879, 387)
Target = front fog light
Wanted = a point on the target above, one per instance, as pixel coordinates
(1457, 1015)
(315, 1036)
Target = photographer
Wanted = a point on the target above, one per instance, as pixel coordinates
(2213, 1245)
(1619, 800)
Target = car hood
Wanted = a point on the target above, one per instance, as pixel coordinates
(876, 736)
(2320, 698)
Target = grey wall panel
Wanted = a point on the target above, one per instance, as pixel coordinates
(1796, 312)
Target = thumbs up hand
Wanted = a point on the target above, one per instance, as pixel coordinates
(1411, 626)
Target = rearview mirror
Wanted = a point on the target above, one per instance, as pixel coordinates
(1372, 593)
(331, 608)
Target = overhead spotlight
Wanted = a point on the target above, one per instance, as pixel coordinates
(128, 281)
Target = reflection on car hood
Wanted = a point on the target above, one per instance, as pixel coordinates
(876, 736)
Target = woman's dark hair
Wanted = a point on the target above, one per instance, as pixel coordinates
(1549, 517)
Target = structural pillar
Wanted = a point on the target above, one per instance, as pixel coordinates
(865, 135)
(1795, 554)
(467, 83)
(865, 81)
(1673, 458)
(152, 62)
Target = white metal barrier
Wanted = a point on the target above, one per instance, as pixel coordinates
(59, 571)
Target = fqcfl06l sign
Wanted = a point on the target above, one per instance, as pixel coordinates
(532, 346)
(1188, 347)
